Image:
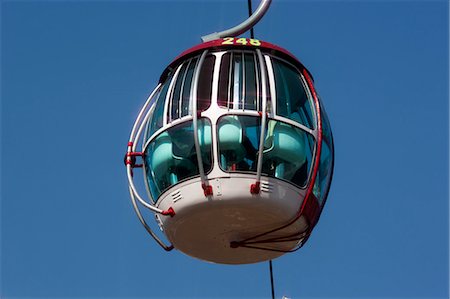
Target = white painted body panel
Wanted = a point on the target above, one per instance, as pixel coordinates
(204, 227)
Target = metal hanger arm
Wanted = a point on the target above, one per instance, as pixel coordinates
(244, 26)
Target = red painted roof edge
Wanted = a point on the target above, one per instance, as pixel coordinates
(222, 44)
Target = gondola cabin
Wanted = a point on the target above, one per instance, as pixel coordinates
(237, 152)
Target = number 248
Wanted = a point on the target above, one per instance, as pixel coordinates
(241, 41)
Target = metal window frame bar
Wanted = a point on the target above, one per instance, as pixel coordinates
(230, 77)
(271, 78)
(243, 97)
(136, 132)
(263, 119)
(146, 226)
(132, 143)
(195, 114)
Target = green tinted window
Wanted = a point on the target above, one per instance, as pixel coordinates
(156, 120)
(240, 81)
(175, 104)
(238, 140)
(324, 174)
(250, 77)
(292, 99)
(205, 83)
(171, 157)
(288, 153)
(186, 90)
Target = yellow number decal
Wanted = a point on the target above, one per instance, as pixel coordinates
(242, 41)
(228, 41)
(255, 42)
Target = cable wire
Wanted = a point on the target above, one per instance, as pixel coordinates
(250, 12)
(271, 279)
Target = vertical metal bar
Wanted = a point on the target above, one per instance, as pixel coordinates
(195, 118)
(230, 76)
(272, 87)
(132, 143)
(141, 113)
(258, 84)
(243, 97)
(263, 118)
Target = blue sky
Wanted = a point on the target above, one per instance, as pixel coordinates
(74, 75)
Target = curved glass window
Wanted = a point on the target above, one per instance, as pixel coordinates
(292, 99)
(156, 120)
(180, 100)
(240, 81)
(287, 153)
(251, 78)
(175, 104)
(175, 95)
(324, 174)
(187, 85)
(171, 157)
(224, 81)
(205, 83)
(238, 141)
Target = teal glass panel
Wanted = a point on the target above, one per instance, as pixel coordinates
(238, 140)
(171, 156)
(292, 99)
(288, 153)
(324, 174)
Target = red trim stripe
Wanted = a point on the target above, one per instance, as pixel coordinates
(309, 196)
(218, 44)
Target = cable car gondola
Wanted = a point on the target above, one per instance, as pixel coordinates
(236, 151)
